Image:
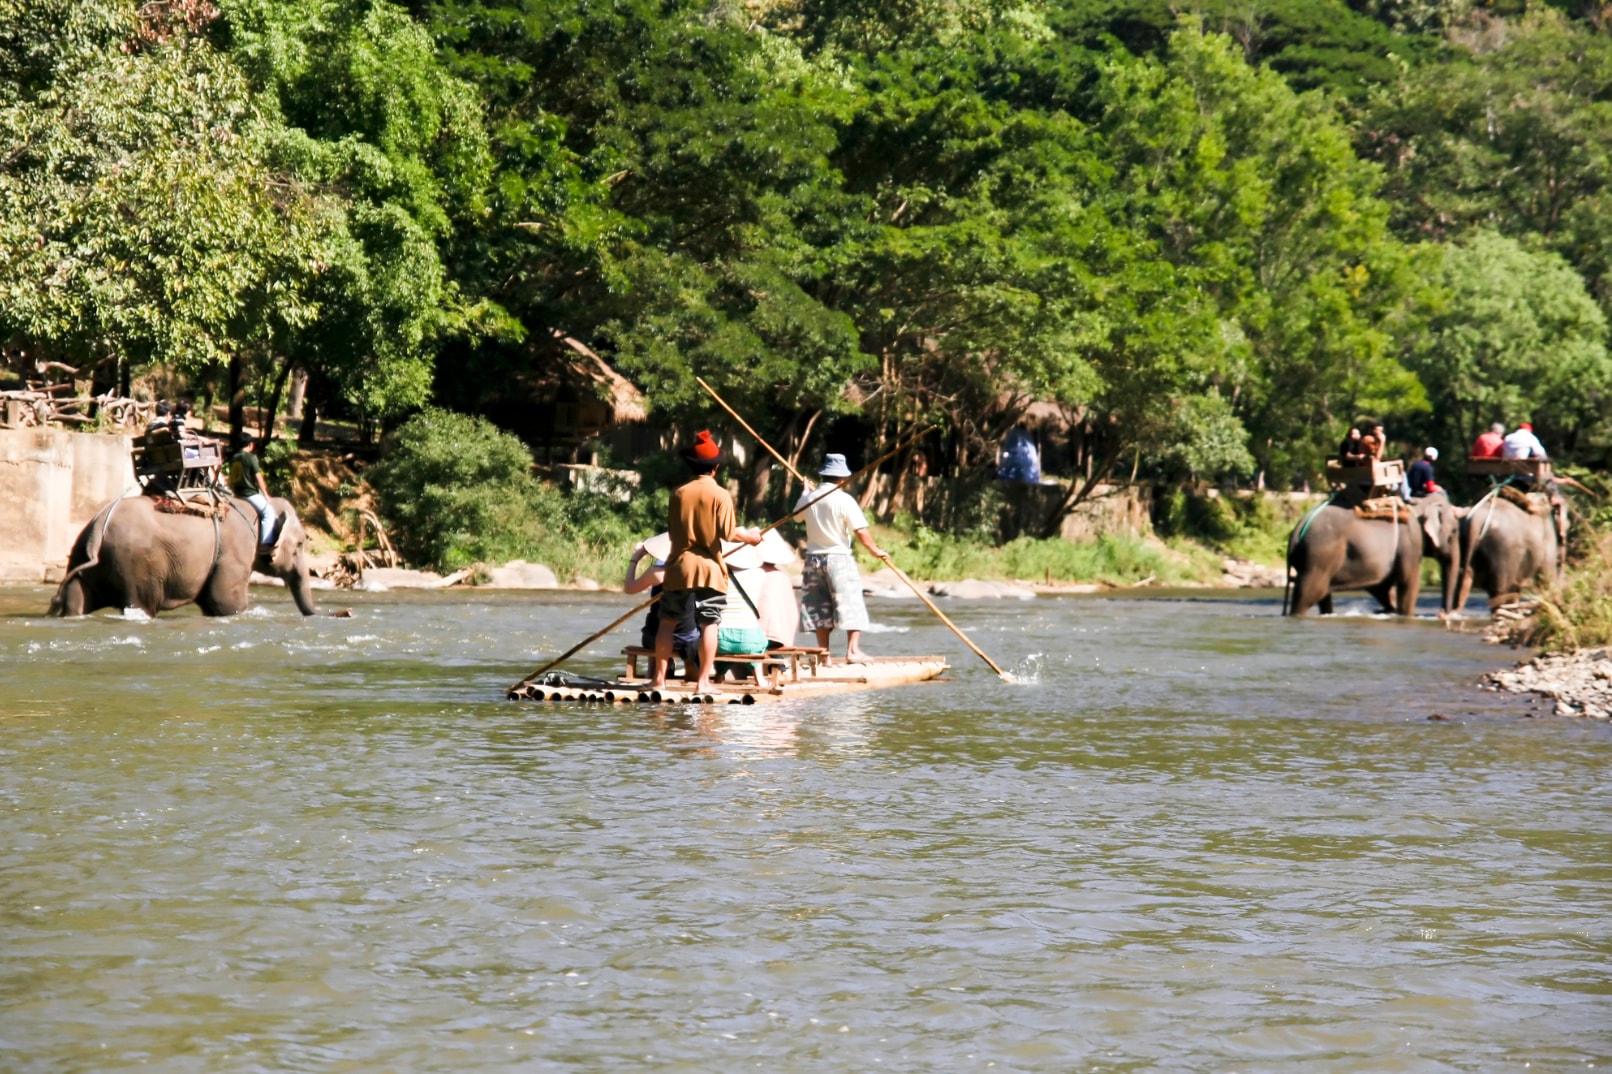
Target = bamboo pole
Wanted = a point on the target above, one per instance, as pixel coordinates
(569, 653)
(746, 426)
(921, 595)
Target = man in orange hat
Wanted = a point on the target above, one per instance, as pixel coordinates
(701, 517)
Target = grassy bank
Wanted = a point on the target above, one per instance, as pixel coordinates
(1578, 613)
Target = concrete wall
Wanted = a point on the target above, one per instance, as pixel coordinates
(51, 483)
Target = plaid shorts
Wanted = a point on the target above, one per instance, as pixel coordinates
(831, 593)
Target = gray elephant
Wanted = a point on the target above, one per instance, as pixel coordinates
(1335, 549)
(135, 554)
(1507, 546)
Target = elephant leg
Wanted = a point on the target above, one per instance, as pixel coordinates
(1311, 588)
(69, 599)
(217, 600)
(1383, 592)
(1407, 591)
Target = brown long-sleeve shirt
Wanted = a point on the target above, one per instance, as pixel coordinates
(701, 518)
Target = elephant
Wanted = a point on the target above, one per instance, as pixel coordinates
(133, 555)
(1336, 549)
(1507, 546)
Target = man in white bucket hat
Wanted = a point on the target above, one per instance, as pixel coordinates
(831, 586)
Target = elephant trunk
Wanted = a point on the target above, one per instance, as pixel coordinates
(301, 591)
(1453, 574)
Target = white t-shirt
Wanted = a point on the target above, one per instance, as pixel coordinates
(831, 522)
(1522, 444)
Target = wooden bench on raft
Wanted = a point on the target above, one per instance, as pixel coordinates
(773, 661)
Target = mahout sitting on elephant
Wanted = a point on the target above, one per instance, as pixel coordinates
(1336, 548)
(155, 554)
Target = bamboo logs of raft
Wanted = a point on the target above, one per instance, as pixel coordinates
(872, 674)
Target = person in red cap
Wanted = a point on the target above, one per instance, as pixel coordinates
(1521, 443)
(701, 517)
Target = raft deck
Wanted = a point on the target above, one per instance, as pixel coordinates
(875, 673)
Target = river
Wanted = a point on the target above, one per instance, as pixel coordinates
(1194, 836)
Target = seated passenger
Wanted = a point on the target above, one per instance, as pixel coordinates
(686, 635)
(1489, 445)
(160, 423)
(1521, 443)
(739, 629)
(780, 616)
(1349, 453)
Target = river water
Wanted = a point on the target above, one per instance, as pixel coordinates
(1193, 837)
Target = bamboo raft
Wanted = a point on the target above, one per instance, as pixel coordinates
(874, 673)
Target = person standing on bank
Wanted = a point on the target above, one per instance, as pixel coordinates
(246, 481)
(831, 586)
(700, 518)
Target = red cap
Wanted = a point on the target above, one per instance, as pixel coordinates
(704, 446)
(1526, 425)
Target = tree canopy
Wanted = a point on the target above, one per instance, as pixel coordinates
(1210, 241)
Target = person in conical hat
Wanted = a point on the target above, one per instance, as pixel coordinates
(654, 551)
(699, 519)
(831, 586)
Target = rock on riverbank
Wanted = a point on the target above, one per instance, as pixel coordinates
(1580, 683)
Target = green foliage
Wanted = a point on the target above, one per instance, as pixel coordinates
(136, 213)
(455, 491)
(1514, 337)
(1108, 560)
(1513, 133)
(1578, 614)
(391, 150)
(1254, 193)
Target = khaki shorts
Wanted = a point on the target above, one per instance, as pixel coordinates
(708, 604)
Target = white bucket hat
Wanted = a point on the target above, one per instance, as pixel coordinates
(834, 466)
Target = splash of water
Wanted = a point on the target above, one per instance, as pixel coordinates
(1027, 672)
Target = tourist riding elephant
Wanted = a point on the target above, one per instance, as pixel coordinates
(135, 555)
(1507, 546)
(1336, 549)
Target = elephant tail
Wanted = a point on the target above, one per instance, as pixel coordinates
(1287, 589)
(93, 537)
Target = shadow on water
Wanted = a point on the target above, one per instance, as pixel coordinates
(1193, 836)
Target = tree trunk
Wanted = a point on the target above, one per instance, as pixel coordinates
(299, 388)
(237, 397)
(274, 398)
(310, 421)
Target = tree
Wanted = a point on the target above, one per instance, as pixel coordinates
(138, 222)
(1515, 337)
(390, 150)
(1513, 133)
(1254, 193)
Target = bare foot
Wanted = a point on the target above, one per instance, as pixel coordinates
(858, 657)
(703, 687)
(654, 685)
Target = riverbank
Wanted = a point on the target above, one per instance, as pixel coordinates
(1580, 683)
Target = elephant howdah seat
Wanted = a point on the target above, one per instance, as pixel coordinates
(1536, 469)
(175, 464)
(1356, 484)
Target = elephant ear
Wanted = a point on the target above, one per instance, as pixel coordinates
(1431, 527)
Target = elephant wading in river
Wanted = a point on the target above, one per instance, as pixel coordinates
(131, 555)
(1507, 546)
(1335, 549)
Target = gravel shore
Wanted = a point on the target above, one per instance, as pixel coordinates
(1580, 683)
